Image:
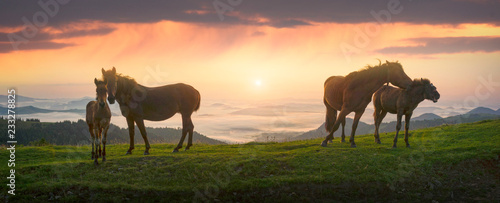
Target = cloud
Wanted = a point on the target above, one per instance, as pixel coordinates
(289, 23)
(446, 45)
(279, 13)
(43, 38)
(7, 47)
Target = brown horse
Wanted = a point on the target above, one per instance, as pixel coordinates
(98, 118)
(353, 92)
(398, 101)
(139, 103)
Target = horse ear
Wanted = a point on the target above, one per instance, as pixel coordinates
(114, 70)
(386, 61)
(95, 81)
(103, 71)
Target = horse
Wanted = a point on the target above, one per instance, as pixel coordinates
(139, 103)
(353, 93)
(398, 101)
(98, 119)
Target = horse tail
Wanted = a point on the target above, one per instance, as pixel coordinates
(199, 101)
(331, 116)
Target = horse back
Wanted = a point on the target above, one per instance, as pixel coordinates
(386, 98)
(171, 99)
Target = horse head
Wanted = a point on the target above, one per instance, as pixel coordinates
(431, 93)
(397, 76)
(101, 91)
(111, 78)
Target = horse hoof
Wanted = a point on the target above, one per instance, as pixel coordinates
(95, 163)
(408, 146)
(128, 152)
(186, 149)
(394, 146)
(146, 153)
(342, 140)
(353, 145)
(324, 143)
(175, 150)
(103, 159)
(330, 141)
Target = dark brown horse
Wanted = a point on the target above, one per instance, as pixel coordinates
(353, 92)
(139, 103)
(398, 101)
(98, 118)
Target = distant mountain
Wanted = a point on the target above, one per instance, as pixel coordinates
(483, 110)
(498, 111)
(426, 116)
(33, 110)
(19, 98)
(78, 104)
(364, 128)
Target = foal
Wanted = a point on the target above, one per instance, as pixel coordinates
(400, 101)
(98, 119)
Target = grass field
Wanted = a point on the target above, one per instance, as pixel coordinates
(446, 163)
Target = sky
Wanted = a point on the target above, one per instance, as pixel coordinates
(249, 50)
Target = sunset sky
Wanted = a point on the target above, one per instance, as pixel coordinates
(249, 50)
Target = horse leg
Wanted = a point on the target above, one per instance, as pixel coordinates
(378, 120)
(99, 140)
(190, 128)
(398, 127)
(91, 130)
(407, 127)
(96, 154)
(142, 128)
(343, 131)
(357, 116)
(104, 143)
(131, 132)
(187, 125)
(343, 113)
(331, 116)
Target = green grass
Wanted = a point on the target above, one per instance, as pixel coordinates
(446, 163)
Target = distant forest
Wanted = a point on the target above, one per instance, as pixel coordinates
(77, 133)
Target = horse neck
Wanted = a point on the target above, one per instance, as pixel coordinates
(122, 89)
(102, 110)
(415, 96)
(377, 79)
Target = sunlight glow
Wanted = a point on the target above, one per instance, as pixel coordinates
(258, 82)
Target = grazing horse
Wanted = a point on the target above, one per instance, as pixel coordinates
(398, 101)
(139, 103)
(98, 118)
(353, 92)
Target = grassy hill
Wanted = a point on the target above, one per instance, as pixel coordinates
(446, 163)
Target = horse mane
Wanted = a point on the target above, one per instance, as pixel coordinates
(420, 82)
(125, 83)
(368, 72)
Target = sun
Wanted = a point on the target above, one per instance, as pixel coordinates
(258, 82)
